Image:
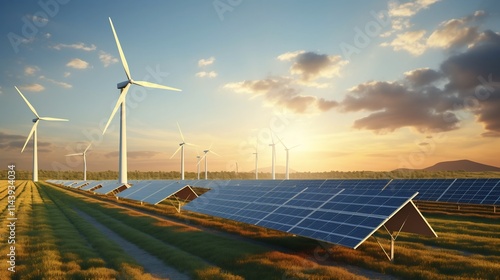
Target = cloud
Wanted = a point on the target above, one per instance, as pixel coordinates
(422, 77)
(32, 87)
(450, 34)
(408, 9)
(471, 84)
(456, 32)
(475, 75)
(77, 46)
(134, 154)
(203, 74)
(77, 63)
(206, 62)
(39, 21)
(1, 91)
(411, 41)
(61, 84)
(394, 106)
(67, 74)
(107, 59)
(31, 70)
(15, 142)
(311, 66)
(279, 92)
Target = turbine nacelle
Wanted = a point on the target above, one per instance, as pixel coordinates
(122, 85)
(35, 120)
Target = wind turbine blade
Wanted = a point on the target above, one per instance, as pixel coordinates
(294, 147)
(27, 102)
(214, 153)
(202, 158)
(176, 151)
(121, 99)
(122, 56)
(53, 119)
(180, 131)
(192, 145)
(87, 148)
(29, 136)
(78, 154)
(153, 85)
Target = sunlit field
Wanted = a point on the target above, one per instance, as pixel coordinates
(54, 241)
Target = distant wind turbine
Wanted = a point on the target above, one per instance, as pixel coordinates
(124, 87)
(181, 148)
(84, 154)
(34, 133)
(198, 159)
(205, 157)
(287, 174)
(256, 163)
(273, 160)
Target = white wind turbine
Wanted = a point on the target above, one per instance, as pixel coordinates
(84, 154)
(287, 174)
(181, 148)
(198, 159)
(256, 163)
(273, 160)
(205, 157)
(124, 87)
(34, 133)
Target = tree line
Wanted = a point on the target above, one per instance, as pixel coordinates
(226, 175)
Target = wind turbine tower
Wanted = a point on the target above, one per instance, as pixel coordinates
(181, 148)
(124, 87)
(33, 133)
(84, 154)
(205, 157)
(287, 174)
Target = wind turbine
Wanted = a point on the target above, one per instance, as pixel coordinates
(84, 154)
(256, 163)
(181, 148)
(198, 159)
(124, 87)
(205, 157)
(287, 174)
(34, 133)
(273, 161)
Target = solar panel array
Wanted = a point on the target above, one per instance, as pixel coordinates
(340, 216)
(152, 192)
(474, 191)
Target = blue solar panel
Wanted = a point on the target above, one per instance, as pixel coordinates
(340, 216)
(108, 187)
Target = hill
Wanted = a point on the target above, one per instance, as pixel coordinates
(461, 165)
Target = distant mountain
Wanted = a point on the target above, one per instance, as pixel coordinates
(464, 164)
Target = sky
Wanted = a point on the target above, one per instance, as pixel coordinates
(345, 85)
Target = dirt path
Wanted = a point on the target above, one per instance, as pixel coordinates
(150, 263)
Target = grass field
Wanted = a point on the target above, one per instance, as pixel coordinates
(54, 242)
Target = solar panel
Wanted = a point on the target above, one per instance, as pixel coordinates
(93, 184)
(476, 191)
(134, 190)
(109, 187)
(165, 192)
(340, 216)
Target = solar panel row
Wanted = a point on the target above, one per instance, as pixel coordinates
(341, 216)
(474, 191)
(152, 192)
